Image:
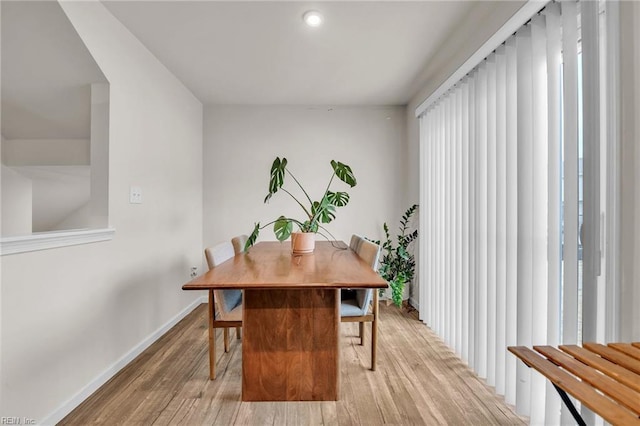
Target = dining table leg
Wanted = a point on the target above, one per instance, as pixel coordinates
(290, 349)
(374, 331)
(212, 338)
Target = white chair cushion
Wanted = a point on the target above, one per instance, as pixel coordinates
(350, 308)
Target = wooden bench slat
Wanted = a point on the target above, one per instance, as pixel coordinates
(624, 376)
(617, 391)
(626, 348)
(600, 404)
(614, 356)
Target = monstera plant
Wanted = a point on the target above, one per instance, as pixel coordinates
(316, 212)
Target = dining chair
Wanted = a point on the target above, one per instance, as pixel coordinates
(238, 243)
(356, 306)
(225, 306)
(355, 242)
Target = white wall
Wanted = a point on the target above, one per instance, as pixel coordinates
(242, 142)
(16, 203)
(98, 211)
(1, 140)
(71, 221)
(57, 192)
(68, 315)
(45, 152)
(58, 188)
(54, 192)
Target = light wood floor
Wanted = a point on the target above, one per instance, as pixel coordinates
(418, 381)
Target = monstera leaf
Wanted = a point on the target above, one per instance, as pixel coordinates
(276, 179)
(251, 240)
(338, 199)
(344, 173)
(324, 210)
(282, 228)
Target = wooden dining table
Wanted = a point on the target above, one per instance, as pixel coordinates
(291, 316)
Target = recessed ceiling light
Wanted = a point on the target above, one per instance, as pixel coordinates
(312, 18)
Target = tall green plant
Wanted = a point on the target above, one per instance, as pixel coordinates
(398, 265)
(316, 212)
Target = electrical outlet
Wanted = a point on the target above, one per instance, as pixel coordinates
(194, 271)
(135, 195)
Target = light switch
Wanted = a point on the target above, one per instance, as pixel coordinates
(135, 195)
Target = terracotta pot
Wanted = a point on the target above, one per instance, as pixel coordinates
(303, 242)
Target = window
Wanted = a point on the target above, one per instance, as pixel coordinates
(55, 122)
(510, 173)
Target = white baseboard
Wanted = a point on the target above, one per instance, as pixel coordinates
(111, 371)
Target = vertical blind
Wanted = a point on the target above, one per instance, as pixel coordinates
(499, 183)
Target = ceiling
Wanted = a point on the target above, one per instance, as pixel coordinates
(239, 52)
(233, 52)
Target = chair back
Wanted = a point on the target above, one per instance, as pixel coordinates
(219, 253)
(356, 240)
(370, 253)
(238, 243)
(226, 299)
